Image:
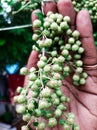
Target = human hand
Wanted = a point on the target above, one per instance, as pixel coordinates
(83, 99)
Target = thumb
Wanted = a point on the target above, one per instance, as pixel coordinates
(84, 26)
(33, 58)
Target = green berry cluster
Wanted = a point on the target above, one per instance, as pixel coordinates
(60, 56)
(90, 5)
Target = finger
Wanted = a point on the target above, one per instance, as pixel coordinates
(84, 26)
(49, 6)
(33, 58)
(66, 8)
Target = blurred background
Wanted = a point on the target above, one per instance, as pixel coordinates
(15, 47)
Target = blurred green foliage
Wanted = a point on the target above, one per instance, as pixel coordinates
(15, 45)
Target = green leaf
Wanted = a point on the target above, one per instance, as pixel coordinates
(73, 127)
(40, 16)
(35, 123)
(62, 121)
(2, 42)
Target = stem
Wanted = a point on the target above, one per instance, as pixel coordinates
(15, 12)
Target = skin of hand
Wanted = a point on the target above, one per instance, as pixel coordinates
(83, 99)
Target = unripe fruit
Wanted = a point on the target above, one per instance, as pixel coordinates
(43, 58)
(77, 56)
(76, 77)
(66, 69)
(59, 92)
(37, 112)
(20, 108)
(67, 19)
(61, 59)
(70, 121)
(43, 104)
(71, 40)
(46, 92)
(26, 117)
(80, 50)
(52, 122)
(46, 24)
(32, 69)
(64, 25)
(30, 106)
(35, 37)
(75, 47)
(54, 53)
(24, 127)
(66, 126)
(57, 76)
(41, 126)
(61, 107)
(38, 82)
(65, 52)
(24, 71)
(79, 63)
(69, 32)
(21, 99)
(36, 23)
(47, 68)
(41, 64)
(58, 113)
(54, 26)
(79, 70)
(75, 34)
(56, 67)
(19, 89)
(56, 101)
(82, 81)
(32, 76)
(47, 42)
(84, 75)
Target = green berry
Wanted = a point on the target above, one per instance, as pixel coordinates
(79, 70)
(79, 63)
(41, 64)
(52, 122)
(24, 71)
(54, 26)
(45, 93)
(76, 77)
(41, 125)
(71, 40)
(75, 34)
(59, 92)
(65, 52)
(58, 113)
(24, 127)
(54, 53)
(37, 23)
(75, 47)
(48, 42)
(67, 19)
(26, 117)
(32, 76)
(84, 75)
(35, 37)
(82, 81)
(80, 50)
(20, 108)
(64, 25)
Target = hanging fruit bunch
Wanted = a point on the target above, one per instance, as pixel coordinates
(60, 56)
(90, 5)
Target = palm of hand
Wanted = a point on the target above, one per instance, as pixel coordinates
(83, 99)
(83, 102)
